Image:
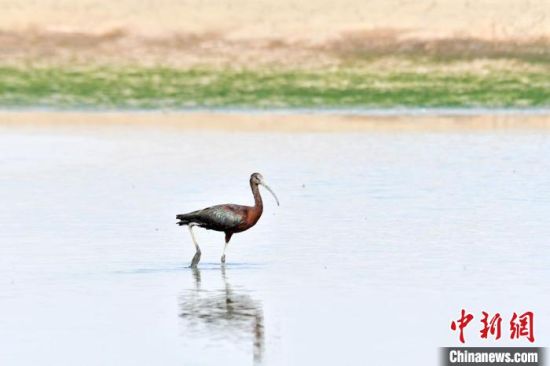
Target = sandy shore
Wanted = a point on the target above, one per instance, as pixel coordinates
(244, 33)
(290, 19)
(284, 123)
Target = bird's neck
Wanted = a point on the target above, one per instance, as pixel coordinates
(258, 204)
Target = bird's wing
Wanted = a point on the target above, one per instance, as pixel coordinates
(226, 216)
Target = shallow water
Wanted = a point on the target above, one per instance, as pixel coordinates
(380, 240)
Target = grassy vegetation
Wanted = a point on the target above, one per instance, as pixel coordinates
(349, 86)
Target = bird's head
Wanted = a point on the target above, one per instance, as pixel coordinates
(258, 179)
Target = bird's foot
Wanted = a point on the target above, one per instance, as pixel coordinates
(223, 258)
(196, 259)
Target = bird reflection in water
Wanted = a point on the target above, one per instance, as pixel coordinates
(225, 312)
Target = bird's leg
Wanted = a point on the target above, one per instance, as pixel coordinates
(197, 256)
(223, 254)
(227, 238)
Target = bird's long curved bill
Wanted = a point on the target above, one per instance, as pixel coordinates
(271, 191)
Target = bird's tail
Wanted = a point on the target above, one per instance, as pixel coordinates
(184, 219)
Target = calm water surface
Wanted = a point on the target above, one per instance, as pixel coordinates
(380, 240)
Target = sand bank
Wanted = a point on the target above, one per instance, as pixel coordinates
(284, 123)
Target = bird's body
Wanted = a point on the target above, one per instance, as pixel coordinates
(229, 218)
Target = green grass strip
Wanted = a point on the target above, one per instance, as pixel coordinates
(150, 88)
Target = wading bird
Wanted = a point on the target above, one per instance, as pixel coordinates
(228, 218)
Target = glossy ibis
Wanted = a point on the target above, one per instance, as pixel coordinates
(228, 218)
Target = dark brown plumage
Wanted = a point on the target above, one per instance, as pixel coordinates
(228, 218)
